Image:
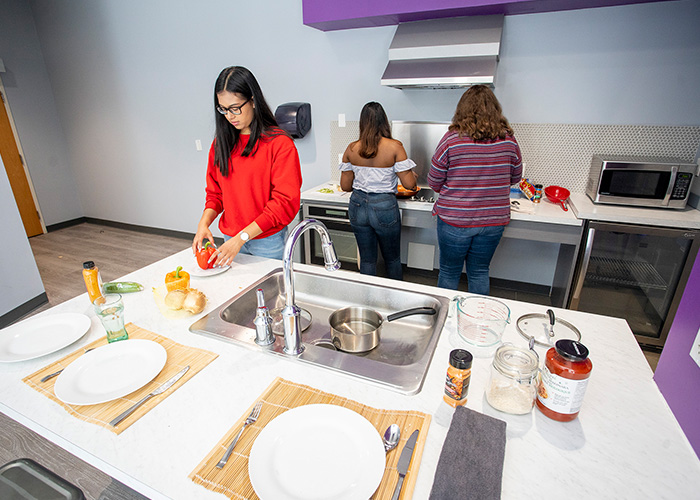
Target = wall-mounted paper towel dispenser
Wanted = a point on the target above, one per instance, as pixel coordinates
(294, 118)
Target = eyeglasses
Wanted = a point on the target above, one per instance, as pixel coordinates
(234, 110)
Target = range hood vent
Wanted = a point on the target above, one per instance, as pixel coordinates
(444, 53)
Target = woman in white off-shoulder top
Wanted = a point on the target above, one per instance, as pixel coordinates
(372, 168)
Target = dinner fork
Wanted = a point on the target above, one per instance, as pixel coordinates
(254, 414)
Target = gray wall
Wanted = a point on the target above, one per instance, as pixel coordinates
(31, 102)
(132, 83)
(20, 281)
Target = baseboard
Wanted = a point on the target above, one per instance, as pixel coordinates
(65, 224)
(22, 310)
(142, 229)
(131, 227)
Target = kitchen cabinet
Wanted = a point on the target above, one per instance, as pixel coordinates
(328, 16)
(156, 454)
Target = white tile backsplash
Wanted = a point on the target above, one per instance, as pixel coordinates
(561, 153)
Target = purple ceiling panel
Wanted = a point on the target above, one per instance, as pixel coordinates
(329, 15)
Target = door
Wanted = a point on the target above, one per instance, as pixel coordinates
(19, 179)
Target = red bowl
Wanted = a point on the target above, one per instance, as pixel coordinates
(557, 194)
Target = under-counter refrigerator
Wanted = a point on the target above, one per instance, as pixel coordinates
(635, 272)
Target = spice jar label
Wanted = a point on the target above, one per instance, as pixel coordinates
(559, 394)
(456, 387)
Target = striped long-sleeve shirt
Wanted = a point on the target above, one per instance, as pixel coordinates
(474, 179)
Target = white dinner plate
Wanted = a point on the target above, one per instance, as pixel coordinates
(198, 272)
(110, 372)
(40, 336)
(316, 452)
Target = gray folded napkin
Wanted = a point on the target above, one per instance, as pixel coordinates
(471, 461)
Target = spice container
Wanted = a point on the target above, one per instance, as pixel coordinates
(512, 386)
(93, 280)
(458, 375)
(564, 380)
(538, 193)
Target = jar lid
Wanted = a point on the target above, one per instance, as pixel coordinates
(461, 359)
(571, 350)
(89, 264)
(516, 362)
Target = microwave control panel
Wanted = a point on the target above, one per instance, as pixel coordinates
(682, 186)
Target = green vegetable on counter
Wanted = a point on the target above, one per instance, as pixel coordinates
(122, 287)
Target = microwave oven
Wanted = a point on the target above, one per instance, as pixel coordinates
(640, 181)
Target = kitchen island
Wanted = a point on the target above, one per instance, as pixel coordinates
(625, 443)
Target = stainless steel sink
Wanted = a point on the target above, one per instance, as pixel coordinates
(404, 352)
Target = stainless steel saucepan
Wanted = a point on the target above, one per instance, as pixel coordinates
(358, 329)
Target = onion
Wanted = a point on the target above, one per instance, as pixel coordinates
(194, 301)
(175, 299)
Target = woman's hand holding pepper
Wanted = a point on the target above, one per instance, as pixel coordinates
(203, 231)
(227, 251)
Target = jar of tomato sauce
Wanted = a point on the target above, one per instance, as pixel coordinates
(564, 380)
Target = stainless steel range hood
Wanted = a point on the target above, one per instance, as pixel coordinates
(444, 53)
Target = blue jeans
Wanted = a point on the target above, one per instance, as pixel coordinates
(375, 218)
(271, 247)
(474, 246)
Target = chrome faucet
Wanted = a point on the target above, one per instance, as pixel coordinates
(291, 312)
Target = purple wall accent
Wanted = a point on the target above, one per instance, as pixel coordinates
(328, 15)
(677, 375)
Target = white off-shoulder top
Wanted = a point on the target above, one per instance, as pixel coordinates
(377, 179)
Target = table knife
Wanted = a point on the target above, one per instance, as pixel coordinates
(167, 385)
(404, 462)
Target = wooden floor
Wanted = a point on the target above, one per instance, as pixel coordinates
(60, 255)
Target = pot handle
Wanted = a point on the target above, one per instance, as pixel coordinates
(411, 312)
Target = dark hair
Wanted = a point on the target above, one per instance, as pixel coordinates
(240, 80)
(373, 126)
(479, 115)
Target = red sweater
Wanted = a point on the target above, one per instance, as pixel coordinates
(264, 187)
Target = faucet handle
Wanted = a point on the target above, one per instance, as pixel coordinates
(263, 321)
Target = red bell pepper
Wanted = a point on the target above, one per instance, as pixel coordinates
(204, 254)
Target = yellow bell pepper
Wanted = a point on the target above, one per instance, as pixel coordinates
(177, 279)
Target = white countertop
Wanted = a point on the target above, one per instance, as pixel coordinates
(544, 211)
(584, 208)
(581, 208)
(625, 443)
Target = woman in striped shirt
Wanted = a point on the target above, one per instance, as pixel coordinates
(473, 167)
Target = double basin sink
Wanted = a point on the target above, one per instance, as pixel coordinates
(406, 346)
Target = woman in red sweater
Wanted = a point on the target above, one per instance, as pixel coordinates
(253, 173)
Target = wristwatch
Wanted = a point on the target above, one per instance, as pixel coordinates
(244, 236)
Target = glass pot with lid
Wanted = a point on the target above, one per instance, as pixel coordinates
(512, 386)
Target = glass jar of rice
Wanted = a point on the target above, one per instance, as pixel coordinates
(512, 386)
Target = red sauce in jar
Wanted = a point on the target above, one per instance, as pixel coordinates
(564, 380)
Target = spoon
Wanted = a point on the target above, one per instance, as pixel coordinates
(391, 437)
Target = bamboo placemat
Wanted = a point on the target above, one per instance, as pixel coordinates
(179, 356)
(233, 480)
